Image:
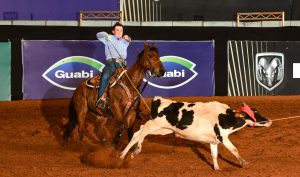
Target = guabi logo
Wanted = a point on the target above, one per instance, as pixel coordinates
(179, 71)
(69, 72)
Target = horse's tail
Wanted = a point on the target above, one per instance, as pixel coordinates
(72, 121)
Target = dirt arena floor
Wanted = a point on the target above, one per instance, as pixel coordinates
(31, 145)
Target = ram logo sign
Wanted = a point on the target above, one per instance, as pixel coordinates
(179, 71)
(68, 72)
(269, 69)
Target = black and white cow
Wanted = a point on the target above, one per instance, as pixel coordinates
(210, 122)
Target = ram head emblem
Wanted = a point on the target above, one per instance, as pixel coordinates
(269, 69)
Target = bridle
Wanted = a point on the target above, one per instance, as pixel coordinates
(146, 51)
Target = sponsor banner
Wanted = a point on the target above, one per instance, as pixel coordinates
(296, 70)
(263, 68)
(190, 69)
(53, 69)
(5, 71)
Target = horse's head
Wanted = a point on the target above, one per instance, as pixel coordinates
(150, 60)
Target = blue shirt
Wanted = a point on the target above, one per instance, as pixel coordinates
(114, 47)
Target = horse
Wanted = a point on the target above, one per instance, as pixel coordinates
(122, 104)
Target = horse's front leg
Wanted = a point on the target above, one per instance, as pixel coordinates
(118, 135)
(129, 123)
(130, 133)
(117, 114)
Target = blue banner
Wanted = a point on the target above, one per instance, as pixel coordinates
(53, 69)
(190, 69)
(52, 10)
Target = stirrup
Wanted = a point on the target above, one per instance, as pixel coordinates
(101, 103)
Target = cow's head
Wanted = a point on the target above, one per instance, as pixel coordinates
(252, 116)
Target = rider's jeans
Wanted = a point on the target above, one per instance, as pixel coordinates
(107, 72)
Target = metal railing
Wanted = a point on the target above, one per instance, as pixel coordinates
(141, 10)
(260, 16)
(100, 15)
(130, 10)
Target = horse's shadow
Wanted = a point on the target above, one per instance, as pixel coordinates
(55, 112)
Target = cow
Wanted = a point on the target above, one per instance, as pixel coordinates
(208, 122)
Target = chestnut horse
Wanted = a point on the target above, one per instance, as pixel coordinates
(122, 107)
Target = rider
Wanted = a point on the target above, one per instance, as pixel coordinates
(116, 53)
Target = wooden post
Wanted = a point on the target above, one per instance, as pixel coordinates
(80, 18)
(283, 16)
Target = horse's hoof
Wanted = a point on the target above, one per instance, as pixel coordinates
(81, 136)
(132, 156)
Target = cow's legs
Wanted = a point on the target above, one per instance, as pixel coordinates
(214, 155)
(149, 128)
(138, 148)
(227, 143)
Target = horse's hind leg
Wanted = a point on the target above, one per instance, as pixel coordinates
(72, 121)
(103, 129)
(81, 113)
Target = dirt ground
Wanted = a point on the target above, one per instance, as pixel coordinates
(31, 145)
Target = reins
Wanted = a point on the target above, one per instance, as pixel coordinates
(140, 95)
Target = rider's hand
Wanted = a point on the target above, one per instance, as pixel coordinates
(127, 38)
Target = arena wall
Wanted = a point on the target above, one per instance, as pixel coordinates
(221, 35)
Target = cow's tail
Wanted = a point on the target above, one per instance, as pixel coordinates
(72, 121)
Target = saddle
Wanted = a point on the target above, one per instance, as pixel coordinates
(115, 79)
(94, 82)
